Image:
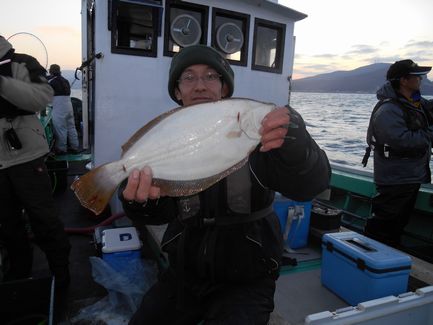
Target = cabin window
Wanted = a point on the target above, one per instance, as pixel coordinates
(185, 25)
(268, 46)
(230, 35)
(134, 27)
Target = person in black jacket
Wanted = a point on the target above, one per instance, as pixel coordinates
(224, 244)
(24, 179)
(401, 133)
(63, 113)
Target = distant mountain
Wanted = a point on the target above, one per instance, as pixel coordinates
(366, 79)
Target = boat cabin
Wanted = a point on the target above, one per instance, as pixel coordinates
(128, 46)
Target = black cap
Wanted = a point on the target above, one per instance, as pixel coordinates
(54, 69)
(405, 67)
(199, 54)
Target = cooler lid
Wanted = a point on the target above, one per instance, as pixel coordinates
(363, 250)
(120, 240)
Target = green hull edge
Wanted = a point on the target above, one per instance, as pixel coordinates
(360, 185)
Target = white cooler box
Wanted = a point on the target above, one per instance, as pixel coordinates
(120, 247)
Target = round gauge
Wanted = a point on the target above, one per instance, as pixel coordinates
(185, 30)
(229, 38)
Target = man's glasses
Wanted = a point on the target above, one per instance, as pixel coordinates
(190, 79)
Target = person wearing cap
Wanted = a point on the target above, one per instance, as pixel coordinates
(224, 244)
(24, 180)
(63, 114)
(401, 134)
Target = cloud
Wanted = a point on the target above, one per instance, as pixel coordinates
(418, 50)
(420, 55)
(420, 44)
(324, 56)
(360, 55)
(384, 44)
(316, 66)
(362, 49)
(383, 58)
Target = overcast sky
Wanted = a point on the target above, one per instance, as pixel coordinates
(336, 35)
(346, 34)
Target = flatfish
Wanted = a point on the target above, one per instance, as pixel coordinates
(188, 148)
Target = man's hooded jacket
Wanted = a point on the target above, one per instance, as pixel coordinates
(23, 92)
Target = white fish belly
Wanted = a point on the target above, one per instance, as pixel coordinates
(199, 141)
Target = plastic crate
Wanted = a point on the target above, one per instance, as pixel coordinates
(298, 215)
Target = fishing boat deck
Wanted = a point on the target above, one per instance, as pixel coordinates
(83, 290)
(299, 290)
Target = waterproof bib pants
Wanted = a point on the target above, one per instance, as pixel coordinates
(64, 123)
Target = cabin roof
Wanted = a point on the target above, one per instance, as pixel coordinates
(271, 5)
(274, 6)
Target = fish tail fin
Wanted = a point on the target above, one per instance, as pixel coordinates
(95, 188)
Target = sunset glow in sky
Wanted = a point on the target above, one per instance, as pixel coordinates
(57, 23)
(346, 34)
(336, 35)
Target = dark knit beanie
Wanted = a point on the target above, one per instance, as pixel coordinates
(199, 54)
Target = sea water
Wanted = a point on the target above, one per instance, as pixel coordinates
(78, 93)
(338, 122)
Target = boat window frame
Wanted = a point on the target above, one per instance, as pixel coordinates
(279, 53)
(156, 11)
(202, 10)
(244, 19)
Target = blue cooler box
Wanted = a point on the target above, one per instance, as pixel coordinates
(294, 220)
(120, 247)
(357, 268)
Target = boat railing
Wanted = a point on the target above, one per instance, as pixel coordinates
(45, 117)
(359, 183)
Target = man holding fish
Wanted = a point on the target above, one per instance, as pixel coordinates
(224, 243)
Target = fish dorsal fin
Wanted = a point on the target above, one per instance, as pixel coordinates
(137, 135)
